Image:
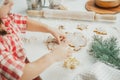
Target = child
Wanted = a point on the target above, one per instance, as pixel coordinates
(12, 56)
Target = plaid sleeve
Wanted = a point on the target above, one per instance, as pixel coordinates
(21, 21)
(10, 67)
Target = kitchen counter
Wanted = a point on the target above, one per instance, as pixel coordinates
(35, 42)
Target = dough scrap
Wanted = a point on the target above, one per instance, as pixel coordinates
(100, 31)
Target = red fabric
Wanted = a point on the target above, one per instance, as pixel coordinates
(12, 54)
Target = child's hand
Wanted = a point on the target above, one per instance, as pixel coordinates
(61, 52)
(58, 35)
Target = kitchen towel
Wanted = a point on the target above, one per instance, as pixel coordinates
(99, 71)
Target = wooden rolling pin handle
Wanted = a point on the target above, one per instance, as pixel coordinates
(35, 13)
(105, 17)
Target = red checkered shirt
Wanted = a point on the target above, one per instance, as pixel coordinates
(12, 54)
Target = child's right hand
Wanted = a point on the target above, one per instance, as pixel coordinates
(61, 52)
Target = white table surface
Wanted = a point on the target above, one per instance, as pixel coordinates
(35, 48)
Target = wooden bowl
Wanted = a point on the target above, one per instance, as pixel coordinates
(107, 3)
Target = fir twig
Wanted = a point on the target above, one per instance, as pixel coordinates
(106, 50)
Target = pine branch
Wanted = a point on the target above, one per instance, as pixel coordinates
(106, 50)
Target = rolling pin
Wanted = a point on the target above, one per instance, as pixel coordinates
(74, 15)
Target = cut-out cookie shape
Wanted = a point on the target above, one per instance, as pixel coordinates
(75, 41)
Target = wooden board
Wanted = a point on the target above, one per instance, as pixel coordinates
(90, 6)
